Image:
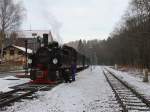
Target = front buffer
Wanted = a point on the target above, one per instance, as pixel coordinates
(45, 76)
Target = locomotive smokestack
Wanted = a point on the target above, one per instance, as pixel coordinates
(45, 39)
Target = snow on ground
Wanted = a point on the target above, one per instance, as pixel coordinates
(9, 81)
(136, 82)
(89, 93)
(2, 74)
(134, 72)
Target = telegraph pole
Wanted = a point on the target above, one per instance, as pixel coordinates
(26, 54)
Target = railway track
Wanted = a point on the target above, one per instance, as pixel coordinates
(128, 98)
(23, 91)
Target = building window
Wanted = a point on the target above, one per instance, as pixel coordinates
(11, 52)
(20, 52)
(4, 52)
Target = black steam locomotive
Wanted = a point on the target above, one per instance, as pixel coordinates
(51, 60)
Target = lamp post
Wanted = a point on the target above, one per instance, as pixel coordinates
(27, 60)
(26, 54)
(95, 58)
(91, 56)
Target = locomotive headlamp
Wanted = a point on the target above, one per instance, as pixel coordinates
(55, 61)
(29, 61)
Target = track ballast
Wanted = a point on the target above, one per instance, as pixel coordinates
(128, 98)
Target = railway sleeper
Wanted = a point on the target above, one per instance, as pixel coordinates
(130, 98)
(14, 98)
(136, 105)
(126, 95)
(138, 109)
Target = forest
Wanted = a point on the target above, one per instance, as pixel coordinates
(129, 42)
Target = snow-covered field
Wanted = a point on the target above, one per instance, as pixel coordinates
(89, 93)
(9, 81)
(138, 73)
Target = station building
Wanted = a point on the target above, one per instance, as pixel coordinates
(16, 54)
(14, 50)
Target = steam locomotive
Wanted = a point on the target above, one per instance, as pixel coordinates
(51, 60)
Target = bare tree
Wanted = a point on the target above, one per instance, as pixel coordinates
(11, 15)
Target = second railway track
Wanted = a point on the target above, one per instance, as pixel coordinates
(128, 98)
(20, 92)
(25, 91)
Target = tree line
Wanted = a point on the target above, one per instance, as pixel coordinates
(129, 43)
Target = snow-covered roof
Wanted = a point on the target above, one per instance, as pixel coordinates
(29, 51)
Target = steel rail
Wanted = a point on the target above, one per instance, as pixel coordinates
(120, 100)
(144, 100)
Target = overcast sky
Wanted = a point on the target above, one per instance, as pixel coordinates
(74, 19)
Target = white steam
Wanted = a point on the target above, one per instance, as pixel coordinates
(54, 24)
